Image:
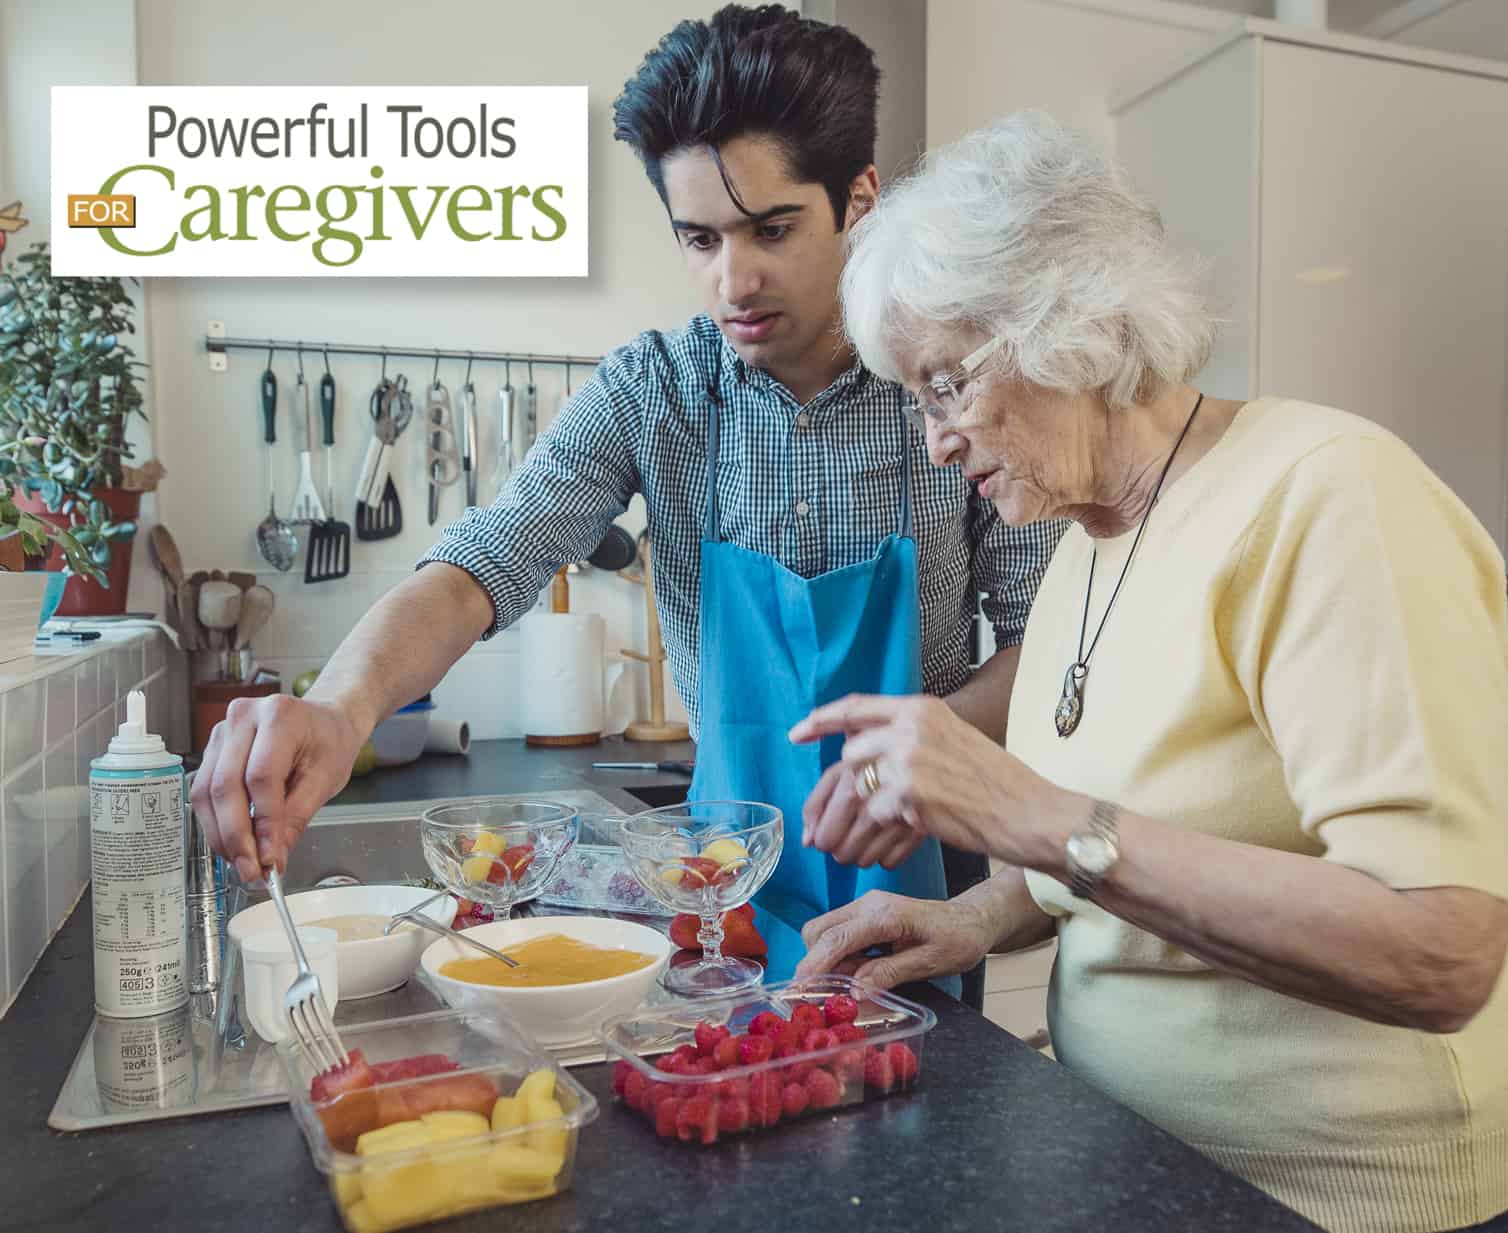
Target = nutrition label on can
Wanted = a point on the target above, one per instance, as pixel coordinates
(136, 839)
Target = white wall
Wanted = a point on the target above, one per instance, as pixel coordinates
(208, 428)
(987, 58)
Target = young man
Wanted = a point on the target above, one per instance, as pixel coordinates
(791, 509)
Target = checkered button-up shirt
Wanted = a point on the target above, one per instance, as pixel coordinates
(817, 487)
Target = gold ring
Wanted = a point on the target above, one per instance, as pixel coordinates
(869, 781)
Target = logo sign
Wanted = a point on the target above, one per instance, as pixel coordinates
(282, 182)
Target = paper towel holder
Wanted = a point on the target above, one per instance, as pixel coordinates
(655, 728)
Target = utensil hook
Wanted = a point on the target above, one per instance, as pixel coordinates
(327, 361)
(531, 370)
(301, 361)
(270, 350)
(568, 378)
(434, 379)
(384, 364)
(508, 372)
(470, 356)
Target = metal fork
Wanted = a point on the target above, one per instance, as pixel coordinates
(305, 1000)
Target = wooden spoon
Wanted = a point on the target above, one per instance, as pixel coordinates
(165, 552)
(256, 607)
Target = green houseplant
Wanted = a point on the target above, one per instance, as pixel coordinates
(68, 388)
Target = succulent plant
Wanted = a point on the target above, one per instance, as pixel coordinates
(68, 387)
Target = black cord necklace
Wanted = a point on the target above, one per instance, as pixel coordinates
(1070, 707)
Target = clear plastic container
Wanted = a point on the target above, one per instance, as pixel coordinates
(752, 1087)
(441, 1169)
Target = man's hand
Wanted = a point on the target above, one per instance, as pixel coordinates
(283, 756)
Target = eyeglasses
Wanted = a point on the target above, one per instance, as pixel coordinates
(945, 389)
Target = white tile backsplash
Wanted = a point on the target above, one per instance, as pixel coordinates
(25, 709)
(71, 712)
(62, 707)
(67, 807)
(25, 842)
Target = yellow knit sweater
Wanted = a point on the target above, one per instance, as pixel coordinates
(1310, 653)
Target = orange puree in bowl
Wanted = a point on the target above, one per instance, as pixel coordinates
(550, 959)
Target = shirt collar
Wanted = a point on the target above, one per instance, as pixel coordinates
(851, 380)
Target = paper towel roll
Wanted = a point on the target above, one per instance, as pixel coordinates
(561, 674)
(448, 736)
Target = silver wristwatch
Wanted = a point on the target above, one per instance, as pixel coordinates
(1093, 851)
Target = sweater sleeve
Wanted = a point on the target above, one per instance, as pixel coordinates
(1365, 618)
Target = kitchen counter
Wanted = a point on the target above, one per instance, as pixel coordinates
(996, 1136)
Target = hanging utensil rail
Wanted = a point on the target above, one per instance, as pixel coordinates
(418, 353)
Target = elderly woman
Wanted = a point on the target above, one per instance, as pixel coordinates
(1255, 773)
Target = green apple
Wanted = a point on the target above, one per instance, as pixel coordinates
(366, 761)
(304, 682)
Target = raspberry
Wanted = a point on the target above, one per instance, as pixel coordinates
(708, 1037)
(688, 1055)
(849, 1065)
(797, 1072)
(697, 1119)
(840, 1008)
(733, 1089)
(726, 1053)
(794, 1099)
(817, 1038)
(765, 1101)
(848, 1033)
(807, 1016)
(754, 1049)
(903, 1063)
(635, 1086)
(621, 1071)
(670, 1064)
(766, 1023)
(879, 1073)
(667, 1117)
(702, 1066)
(824, 1090)
(732, 1115)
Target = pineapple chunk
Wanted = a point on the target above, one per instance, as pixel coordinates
(507, 1113)
(466, 1178)
(540, 1084)
(725, 852)
(476, 868)
(359, 1218)
(546, 1139)
(404, 1193)
(397, 1137)
(517, 1166)
(489, 843)
(346, 1187)
(455, 1124)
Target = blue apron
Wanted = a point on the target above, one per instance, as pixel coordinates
(774, 646)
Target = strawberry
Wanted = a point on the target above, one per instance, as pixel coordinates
(816, 1039)
(824, 1090)
(726, 1053)
(683, 931)
(740, 938)
(794, 1099)
(840, 1008)
(765, 1099)
(667, 1117)
(807, 1016)
(754, 1049)
(904, 1063)
(697, 1119)
(709, 1036)
(848, 1033)
(512, 864)
(879, 1073)
(621, 1071)
(732, 1115)
(766, 1023)
(635, 1087)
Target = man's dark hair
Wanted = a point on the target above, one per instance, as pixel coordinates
(756, 72)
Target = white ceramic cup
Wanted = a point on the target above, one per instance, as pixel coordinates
(269, 967)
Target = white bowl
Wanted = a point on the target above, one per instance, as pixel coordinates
(553, 1014)
(270, 969)
(372, 965)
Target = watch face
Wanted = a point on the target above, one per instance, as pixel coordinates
(1092, 853)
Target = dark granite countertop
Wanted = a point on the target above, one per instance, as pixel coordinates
(996, 1136)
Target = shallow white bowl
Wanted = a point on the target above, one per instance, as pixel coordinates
(554, 1014)
(372, 965)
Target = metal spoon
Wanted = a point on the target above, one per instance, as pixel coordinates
(414, 917)
(275, 538)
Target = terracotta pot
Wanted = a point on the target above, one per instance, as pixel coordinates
(84, 596)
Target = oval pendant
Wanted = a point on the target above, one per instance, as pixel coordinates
(1071, 705)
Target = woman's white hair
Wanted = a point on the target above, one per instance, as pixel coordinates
(1028, 231)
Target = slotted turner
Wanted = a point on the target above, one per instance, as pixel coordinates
(329, 556)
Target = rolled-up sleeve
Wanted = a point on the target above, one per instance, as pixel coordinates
(557, 506)
(1008, 566)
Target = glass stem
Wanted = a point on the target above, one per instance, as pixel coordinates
(710, 935)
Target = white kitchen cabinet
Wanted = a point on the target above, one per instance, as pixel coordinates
(1351, 197)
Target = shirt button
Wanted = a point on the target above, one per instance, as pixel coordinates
(803, 421)
(803, 509)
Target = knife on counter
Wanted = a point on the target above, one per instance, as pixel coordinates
(672, 768)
